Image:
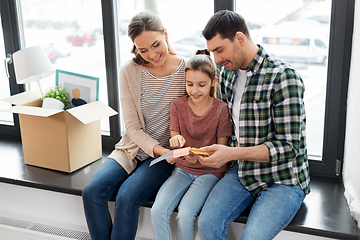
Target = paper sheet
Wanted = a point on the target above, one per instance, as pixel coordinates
(178, 153)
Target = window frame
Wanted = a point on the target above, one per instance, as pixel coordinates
(12, 44)
(112, 63)
(339, 58)
(341, 29)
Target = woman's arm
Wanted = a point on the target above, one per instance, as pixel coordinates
(160, 150)
(130, 90)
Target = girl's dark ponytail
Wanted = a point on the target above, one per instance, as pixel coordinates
(204, 51)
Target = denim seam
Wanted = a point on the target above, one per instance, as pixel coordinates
(111, 187)
(187, 187)
(240, 203)
(148, 190)
(172, 201)
(288, 220)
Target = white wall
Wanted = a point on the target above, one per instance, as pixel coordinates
(66, 211)
(41, 206)
(351, 170)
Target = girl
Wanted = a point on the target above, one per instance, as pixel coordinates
(148, 84)
(196, 120)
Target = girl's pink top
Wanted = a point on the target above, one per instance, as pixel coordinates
(200, 131)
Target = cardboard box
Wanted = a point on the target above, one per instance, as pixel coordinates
(57, 139)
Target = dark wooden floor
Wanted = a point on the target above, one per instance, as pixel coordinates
(324, 213)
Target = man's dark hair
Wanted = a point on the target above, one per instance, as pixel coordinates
(226, 23)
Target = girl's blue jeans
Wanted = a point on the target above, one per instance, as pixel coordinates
(188, 189)
(271, 212)
(130, 192)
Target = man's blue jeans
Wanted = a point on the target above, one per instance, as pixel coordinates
(271, 212)
(188, 189)
(130, 192)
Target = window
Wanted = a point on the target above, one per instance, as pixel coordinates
(325, 74)
(184, 36)
(71, 35)
(301, 33)
(292, 33)
(51, 24)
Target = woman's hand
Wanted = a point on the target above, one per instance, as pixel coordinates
(177, 141)
(160, 150)
(174, 160)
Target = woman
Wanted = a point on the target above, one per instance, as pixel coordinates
(148, 83)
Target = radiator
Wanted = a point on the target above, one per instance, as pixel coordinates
(15, 229)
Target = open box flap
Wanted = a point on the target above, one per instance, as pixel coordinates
(91, 112)
(23, 98)
(34, 111)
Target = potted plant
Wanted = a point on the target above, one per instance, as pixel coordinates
(56, 98)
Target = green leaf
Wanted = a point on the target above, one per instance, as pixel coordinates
(59, 93)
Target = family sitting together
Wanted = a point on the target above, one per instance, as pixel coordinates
(249, 118)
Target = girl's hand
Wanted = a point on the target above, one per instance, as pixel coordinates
(191, 158)
(177, 141)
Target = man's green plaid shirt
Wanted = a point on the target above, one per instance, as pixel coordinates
(272, 112)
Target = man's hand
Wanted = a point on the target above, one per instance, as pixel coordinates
(177, 141)
(219, 156)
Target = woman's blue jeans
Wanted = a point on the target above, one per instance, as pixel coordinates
(271, 212)
(130, 192)
(188, 189)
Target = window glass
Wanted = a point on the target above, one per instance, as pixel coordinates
(184, 21)
(5, 118)
(298, 33)
(71, 34)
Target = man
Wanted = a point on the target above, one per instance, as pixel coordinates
(265, 98)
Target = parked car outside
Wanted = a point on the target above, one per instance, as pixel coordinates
(188, 46)
(51, 52)
(82, 39)
(295, 42)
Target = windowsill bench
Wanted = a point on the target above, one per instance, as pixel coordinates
(324, 213)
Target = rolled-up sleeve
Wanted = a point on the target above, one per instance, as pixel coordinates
(288, 116)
